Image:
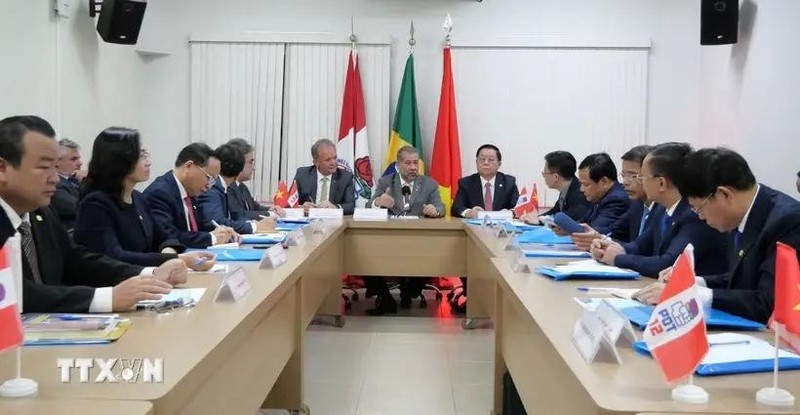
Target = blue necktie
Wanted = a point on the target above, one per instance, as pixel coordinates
(665, 224)
(645, 215)
(736, 237)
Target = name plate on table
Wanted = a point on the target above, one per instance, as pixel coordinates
(518, 262)
(615, 324)
(589, 336)
(273, 257)
(500, 231)
(233, 287)
(511, 244)
(364, 214)
(294, 213)
(327, 214)
(296, 238)
(498, 215)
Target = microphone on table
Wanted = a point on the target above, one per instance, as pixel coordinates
(406, 192)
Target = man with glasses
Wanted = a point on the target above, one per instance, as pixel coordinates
(723, 192)
(324, 184)
(65, 200)
(486, 190)
(633, 223)
(172, 198)
(559, 174)
(674, 225)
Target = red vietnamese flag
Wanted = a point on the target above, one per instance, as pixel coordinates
(676, 332)
(11, 333)
(281, 197)
(535, 197)
(786, 316)
(446, 159)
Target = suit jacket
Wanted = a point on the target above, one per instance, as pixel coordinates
(65, 200)
(214, 206)
(748, 288)
(470, 193)
(165, 201)
(6, 227)
(666, 237)
(424, 192)
(125, 232)
(241, 204)
(626, 229)
(575, 203)
(340, 189)
(69, 271)
(604, 214)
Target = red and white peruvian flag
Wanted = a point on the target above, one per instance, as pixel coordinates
(353, 145)
(676, 332)
(525, 203)
(11, 333)
(293, 199)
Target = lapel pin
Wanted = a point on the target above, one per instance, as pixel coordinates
(38, 218)
(741, 253)
(500, 185)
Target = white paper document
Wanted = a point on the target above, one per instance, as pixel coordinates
(735, 347)
(176, 294)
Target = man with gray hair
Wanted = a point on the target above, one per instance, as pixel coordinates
(324, 184)
(65, 200)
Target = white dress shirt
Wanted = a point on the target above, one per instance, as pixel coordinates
(184, 195)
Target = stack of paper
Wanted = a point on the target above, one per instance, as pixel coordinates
(587, 270)
(60, 329)
(733, 353)
(553, 251)
(192, 295)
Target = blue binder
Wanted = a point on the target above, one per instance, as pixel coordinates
(734, 368)
(567, 223)
(551, 251)
(294, 220)
(542, 235)
(639, 316)
(224, 255)
(510, 227)
(263, 239)
(288, 226)
(557, 275)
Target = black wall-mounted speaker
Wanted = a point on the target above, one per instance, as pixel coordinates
(120, 21)
(719, 22)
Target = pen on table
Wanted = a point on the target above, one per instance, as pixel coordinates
(595, 289)
(216, 225)
(730, 343)
(69, 318)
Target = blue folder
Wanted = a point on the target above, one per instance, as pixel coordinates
(294, 220)
(542, 251)
(288, 226)
(567, 223)
(542, 235)
(474, 221)
(734, 368)
(263, 239)
(557, 275)
(639, 316)
(224, 255)
(510, 227)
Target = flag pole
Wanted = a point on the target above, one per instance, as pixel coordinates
(353, 37)
(411, 40)
(775, 396)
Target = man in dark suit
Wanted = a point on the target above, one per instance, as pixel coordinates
(172, 198)
(214, 203)
(65, 200)
(486, 190)
(674, 224)
(58, 275)
(241, 203)
(403, 193)
(598, 179)
(723, 191)
(637, 218)
(325, 185)
(559, 174)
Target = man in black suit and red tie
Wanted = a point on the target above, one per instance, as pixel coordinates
(486, 190)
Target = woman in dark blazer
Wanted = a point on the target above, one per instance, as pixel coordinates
(113, 218)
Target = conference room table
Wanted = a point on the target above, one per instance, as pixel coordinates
(236, 357)
(71, 407)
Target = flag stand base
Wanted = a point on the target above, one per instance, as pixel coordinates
(774, 397)
(690, 393)
(19, 388)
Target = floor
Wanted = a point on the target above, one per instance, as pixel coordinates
(419, 362)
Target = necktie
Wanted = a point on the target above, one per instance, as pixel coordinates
(323, 196)
(665, 224)
(487, 197)
(645, 215)
(242, 189)
(29, 249)
(736, 237)
(561, 204)
(187, 203)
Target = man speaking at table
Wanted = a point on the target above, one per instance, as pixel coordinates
(404, 194)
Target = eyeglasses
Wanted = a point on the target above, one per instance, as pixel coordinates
(629, 176)
(489, 160)
(544, 173)
(699, 209)
(640, 178)
(210, 179)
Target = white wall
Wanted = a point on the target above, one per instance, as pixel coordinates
(745, 95)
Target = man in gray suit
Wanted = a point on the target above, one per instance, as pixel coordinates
(404, 193)
(324, 184)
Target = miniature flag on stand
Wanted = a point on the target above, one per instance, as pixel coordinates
(294, 198)
(785, 320)
(676, 332)
(527, 203)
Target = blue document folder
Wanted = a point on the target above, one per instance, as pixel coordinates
(639, 316)
(264, 239)
(734, 367)
(542, 235)
(294, 220)
(558, 274)
(238, 254)
(288, 227)
(567, 223)
(552, 251)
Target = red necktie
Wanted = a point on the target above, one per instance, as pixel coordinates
(487, 198)
(187, 202)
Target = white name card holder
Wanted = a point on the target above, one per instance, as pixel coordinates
(518, 262)
(499, 215)
(374, 215)
(590, 338)
(296, 238)
(273, 257)
(326, 214)
(500, 231)
(233, 287)
(511, 244)
(615, 324)
(294, 213)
